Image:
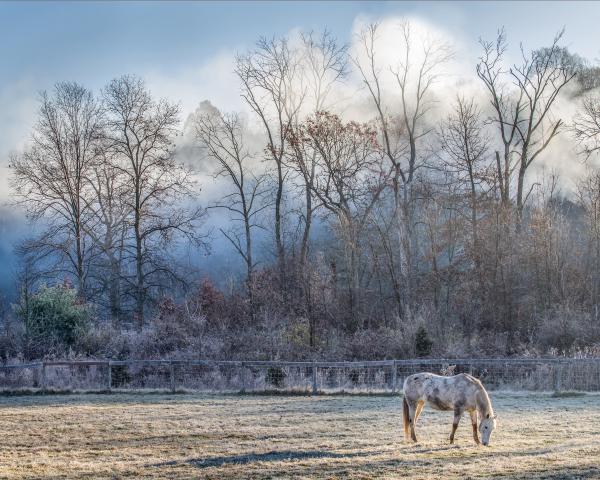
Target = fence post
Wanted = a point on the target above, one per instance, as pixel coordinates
(243, 375)
(172, 376)
(394, 377)
(314, 378)
(557, 373)
(109, 376)
(43, 376)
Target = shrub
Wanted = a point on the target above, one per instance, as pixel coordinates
(354, 376)
(423, 343)
(275, 377)
(54, 319)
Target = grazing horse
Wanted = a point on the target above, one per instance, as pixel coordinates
(458, 393)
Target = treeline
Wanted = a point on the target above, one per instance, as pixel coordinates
(398, 231)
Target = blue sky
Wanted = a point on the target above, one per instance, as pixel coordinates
(83, 39)
(91, 42)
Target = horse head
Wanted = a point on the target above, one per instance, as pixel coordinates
(486, 427)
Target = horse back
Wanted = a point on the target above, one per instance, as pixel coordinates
(442, 392)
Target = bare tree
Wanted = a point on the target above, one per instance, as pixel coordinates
(586, 131)
(267, 75)
(586, 125)
(141, 132)
(443, 236)
(108, 228)
(222, 136)
(349, 181)
(464, 147)
(507, 108)
(324, 64)
(541, 77)
(588, 196)
(523, 108)
(404, 132)
(50, 176)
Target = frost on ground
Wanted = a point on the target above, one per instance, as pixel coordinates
(201, 436)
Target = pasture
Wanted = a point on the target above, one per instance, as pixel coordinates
(229, 436)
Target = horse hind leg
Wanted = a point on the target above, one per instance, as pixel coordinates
(412, 410)
(405, 415)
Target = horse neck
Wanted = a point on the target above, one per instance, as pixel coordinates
(484, 405)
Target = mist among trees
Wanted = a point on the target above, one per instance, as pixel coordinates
(377, 207)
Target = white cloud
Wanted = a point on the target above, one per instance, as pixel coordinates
(457, 74)
(213, 79)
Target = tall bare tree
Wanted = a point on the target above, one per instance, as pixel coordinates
(349, 182)
(141, 131)
(267, 75)
(464, 147)
(403, 127)
(507, 107)
(541, 77)
(588, 196)
(108, 228)
(586, 125)
(522, 98)
(49, 178)
(323, 65)
(222, 136)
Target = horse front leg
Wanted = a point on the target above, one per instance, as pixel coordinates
(412, 410)
(474, 425)
(457, 414)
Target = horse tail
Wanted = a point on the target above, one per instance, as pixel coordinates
(405, 415)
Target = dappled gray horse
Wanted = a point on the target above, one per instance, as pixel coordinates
(459, 393)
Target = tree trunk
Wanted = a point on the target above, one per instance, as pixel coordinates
(249, 260)
(115, 294)
(307, 226)
(520, 193)
(139, 263)
(80, 260)
(278, 227)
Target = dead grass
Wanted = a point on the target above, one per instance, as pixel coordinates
(200, 436)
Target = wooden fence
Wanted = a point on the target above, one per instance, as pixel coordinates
(519, 374)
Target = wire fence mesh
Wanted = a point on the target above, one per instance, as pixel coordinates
(528, 374)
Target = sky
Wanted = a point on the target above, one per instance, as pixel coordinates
(185, 50)
(178, 46)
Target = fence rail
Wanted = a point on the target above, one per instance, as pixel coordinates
(385, 376)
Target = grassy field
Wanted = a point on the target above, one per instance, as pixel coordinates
(200, 436)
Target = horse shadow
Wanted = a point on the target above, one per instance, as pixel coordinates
(273, 456)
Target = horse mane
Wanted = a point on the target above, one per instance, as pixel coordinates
(484, 404)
